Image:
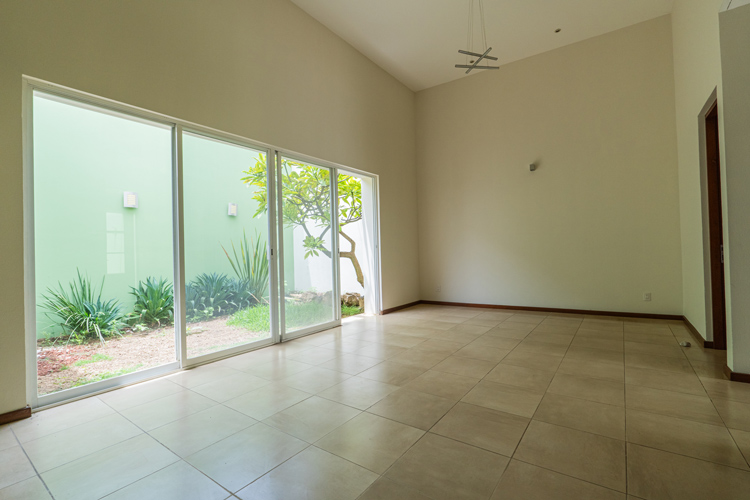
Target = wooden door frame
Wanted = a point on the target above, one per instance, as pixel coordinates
(713, 233)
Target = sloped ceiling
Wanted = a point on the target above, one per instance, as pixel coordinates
(417, 40)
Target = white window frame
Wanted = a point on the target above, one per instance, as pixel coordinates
(275, 244)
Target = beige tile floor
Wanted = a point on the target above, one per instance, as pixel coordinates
(428, 403)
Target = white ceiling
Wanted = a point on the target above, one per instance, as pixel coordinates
(417, 40)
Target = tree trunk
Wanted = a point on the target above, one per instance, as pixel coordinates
(353, 257)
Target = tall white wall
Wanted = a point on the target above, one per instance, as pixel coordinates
(598, 223)
(735, 62)
(697, 73)
(261, 69)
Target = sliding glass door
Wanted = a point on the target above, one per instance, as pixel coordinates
(103, 246)
(154, 245)
(308, 226)
(226, 228)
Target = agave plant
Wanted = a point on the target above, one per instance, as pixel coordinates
(81, 312)
(154, 301)
(207, 292)
(251, 266)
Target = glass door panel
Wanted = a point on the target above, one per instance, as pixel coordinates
(103, 245)
(226, 245)
(309, 270)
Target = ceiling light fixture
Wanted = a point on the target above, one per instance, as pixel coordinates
(478, 57)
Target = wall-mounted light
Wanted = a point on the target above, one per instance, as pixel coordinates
(130, 199)
(232, 210)
(532, 167)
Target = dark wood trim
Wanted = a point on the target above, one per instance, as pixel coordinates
(401, 307)
(715, 229)
(736, 376)
(675, 317)
(696, 335)
(14, 415)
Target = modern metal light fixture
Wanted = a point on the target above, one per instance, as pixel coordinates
(232, 210)
(473, 64)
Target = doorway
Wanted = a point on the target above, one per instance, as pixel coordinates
(715, 228)
(358, 251)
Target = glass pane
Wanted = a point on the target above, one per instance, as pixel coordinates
(308, 263)
(103, 244)
(356, 233)
(226, 245)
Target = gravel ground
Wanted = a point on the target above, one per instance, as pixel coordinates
(63, 367)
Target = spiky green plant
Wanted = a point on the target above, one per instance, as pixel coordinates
(207, 293)
(154, 301)
(251, 266)
(81, 312)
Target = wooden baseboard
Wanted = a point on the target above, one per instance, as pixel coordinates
(12, 416)
(399, 308)
(696, 335)
(558, 310)
(736, 376)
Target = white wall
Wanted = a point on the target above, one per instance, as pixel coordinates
(262, 69)
(735, 63)
(597, 224)
(697, 73)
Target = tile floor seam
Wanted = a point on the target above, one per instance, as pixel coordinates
(273, 468)
(691, 457)
(651, 412)
(568, 475)
(625, 410)
(500, 478)
(44, 483)
(515, 450)
(734, 440)
(180, 459)
(144, 477)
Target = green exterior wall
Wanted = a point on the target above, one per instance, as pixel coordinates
(84, 160)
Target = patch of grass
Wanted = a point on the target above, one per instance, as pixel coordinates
(63, 368)
(105, 375)
(93, 359)
(350, 311)
(297, 315)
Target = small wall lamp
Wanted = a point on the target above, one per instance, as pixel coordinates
(532, 167)
(232, 210)
(130, 199)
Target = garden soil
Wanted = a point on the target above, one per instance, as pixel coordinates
(61, 366)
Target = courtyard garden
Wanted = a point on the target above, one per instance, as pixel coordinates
(92, 337)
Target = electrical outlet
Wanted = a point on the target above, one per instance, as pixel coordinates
(647, 296)
(438, 288)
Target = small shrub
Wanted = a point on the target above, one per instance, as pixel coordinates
(207, 295)
(81, 312)
(154, 301)
(251, 266)
(240, 295)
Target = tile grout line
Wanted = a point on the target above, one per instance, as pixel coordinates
(30, 463)
(446, 437)
(180, 459)
(515, 449)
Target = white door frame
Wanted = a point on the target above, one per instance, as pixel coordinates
(336, 292)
